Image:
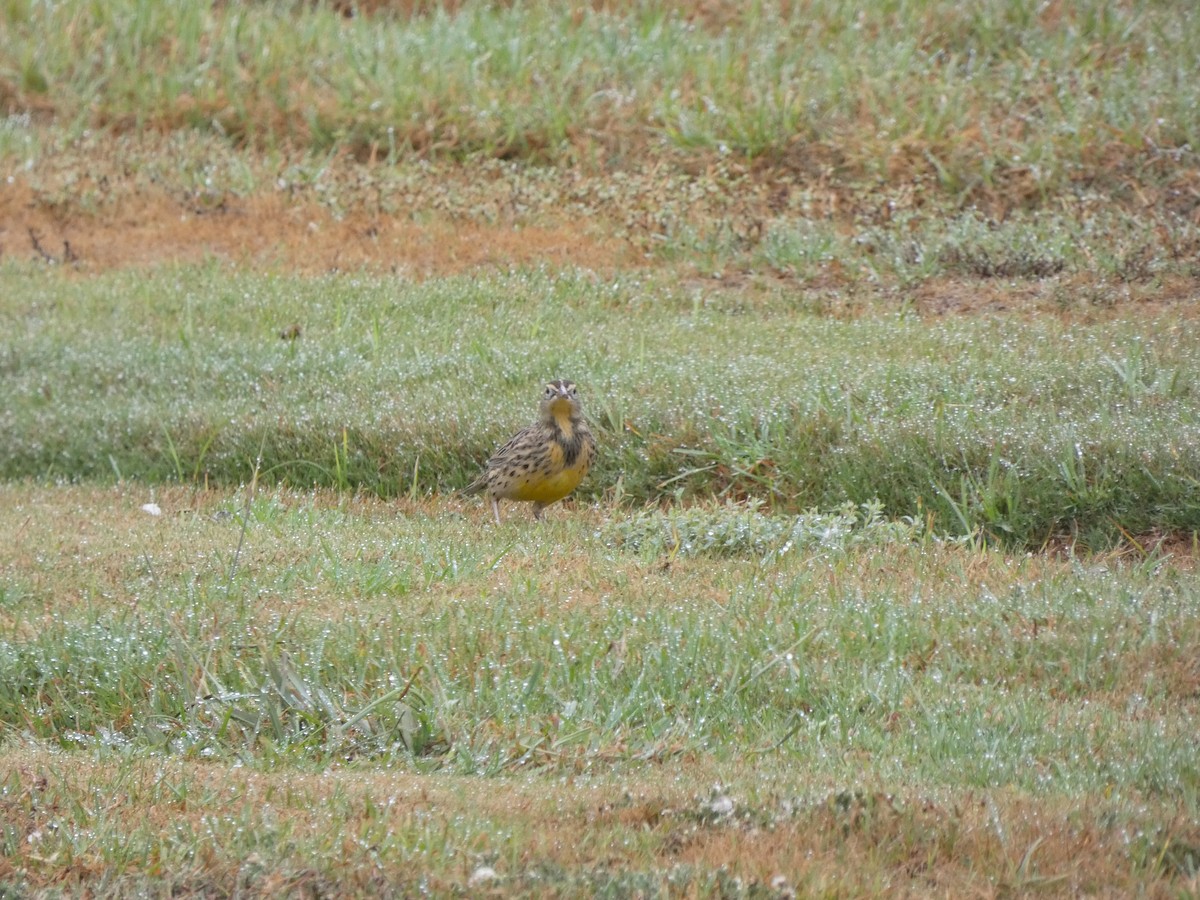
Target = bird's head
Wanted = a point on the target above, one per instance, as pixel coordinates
(559, 400)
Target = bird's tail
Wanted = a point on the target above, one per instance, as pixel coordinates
(474, 487)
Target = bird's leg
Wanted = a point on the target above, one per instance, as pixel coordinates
(496, 509)
(537, 511)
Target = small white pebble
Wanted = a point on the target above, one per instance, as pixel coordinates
(781, 887)
(152, 508)
(722, 806)
(482, 875)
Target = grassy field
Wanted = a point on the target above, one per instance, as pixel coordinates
(336, 693)
(991, 94)
(884, 316)
(1023, 434)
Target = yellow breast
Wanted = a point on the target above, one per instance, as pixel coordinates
(546, 489)
(549, 479)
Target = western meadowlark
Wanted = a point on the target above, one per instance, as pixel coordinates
(543, 463)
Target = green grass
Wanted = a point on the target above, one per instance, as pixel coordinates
(860, 599)
(322, 650)
(1113, 248)
(1023, 431)
(945, 89)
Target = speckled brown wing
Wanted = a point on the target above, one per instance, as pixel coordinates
(523, 443)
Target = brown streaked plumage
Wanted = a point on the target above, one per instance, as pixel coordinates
(543, 463)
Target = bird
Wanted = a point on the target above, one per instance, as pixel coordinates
(544, 462)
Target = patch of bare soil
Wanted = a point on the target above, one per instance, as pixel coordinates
(276, 231)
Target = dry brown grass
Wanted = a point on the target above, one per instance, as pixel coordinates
(859, 843)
